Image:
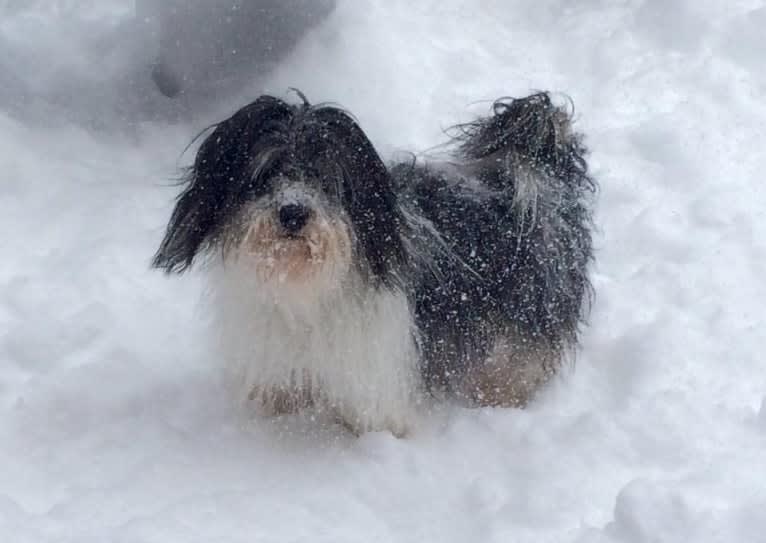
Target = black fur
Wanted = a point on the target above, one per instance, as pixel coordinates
(495, 244)
(512, 267)
(244, 154)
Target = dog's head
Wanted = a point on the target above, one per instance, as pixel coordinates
(295, 192)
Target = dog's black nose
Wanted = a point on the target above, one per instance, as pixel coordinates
(293, 217)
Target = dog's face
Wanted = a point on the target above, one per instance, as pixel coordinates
(296, 194)
(294, 231)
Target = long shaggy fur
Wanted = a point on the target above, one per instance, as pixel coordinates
(515, 216)
(353, 288)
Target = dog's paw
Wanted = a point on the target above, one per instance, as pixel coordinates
(276, 400)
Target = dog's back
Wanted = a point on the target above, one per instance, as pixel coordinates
(509, 287)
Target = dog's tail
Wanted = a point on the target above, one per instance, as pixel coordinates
(528, 154)
(525, 144)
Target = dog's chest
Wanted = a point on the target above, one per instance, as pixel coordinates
(339, 339)
(286, 341)
(356, 354)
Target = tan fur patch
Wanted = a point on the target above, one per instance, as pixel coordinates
(511, 375)
(283, 399)
(322, 248)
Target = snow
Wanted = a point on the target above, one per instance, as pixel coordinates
(113, 422)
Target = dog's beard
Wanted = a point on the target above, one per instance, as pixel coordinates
(316, 259)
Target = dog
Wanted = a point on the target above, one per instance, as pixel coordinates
(364, 290)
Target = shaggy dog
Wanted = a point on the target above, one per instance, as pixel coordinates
(357, 289)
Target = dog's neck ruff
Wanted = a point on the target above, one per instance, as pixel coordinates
(348, 351)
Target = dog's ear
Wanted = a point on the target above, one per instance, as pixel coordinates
(189, 226)
(220, 172)
(369, 196)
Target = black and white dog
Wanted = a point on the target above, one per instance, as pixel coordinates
(358, 289)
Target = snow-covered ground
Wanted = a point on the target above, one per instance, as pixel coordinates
(113, 424)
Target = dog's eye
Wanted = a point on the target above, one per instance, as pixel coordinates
(331, 183)
(254, 188)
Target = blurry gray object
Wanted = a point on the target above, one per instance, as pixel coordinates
(208, 47)
(167, 60)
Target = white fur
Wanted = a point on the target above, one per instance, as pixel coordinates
(351, 347)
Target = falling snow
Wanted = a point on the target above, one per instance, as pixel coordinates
(114, 425)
